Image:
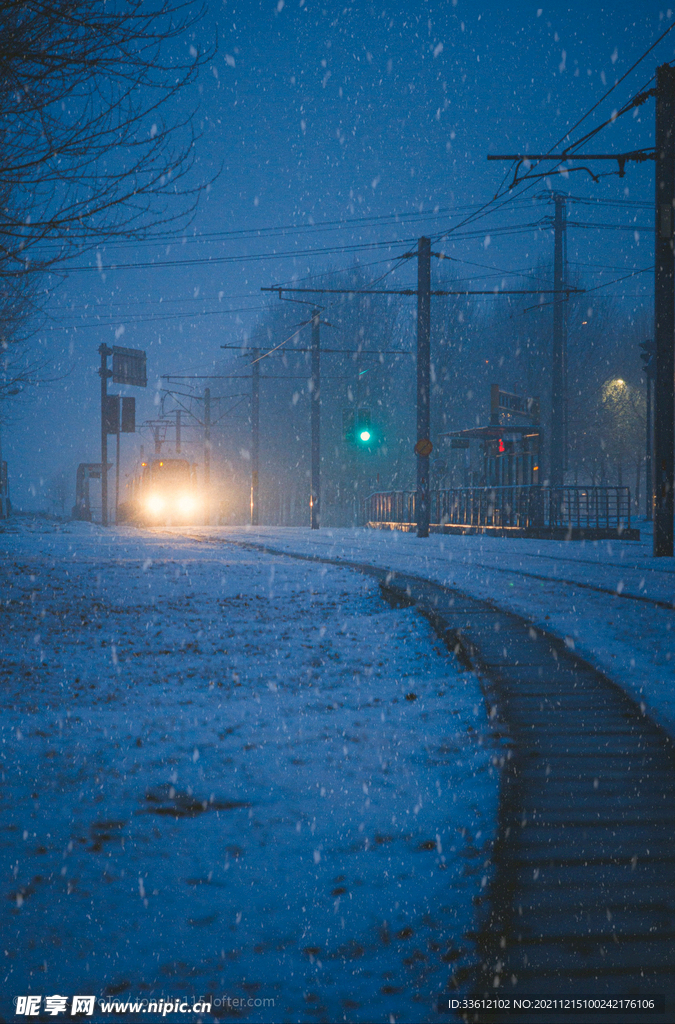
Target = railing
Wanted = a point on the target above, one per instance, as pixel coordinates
(519, 507)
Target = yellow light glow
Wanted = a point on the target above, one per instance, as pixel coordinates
(614, 390)
(155, 504)
(186, 503)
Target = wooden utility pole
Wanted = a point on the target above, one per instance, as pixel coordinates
(664, 314)
(255, 437)
(315, 400)
(422, 448)
(649, 490)
(647, 355)
(104, 374)
(558, 432)
(178, 431)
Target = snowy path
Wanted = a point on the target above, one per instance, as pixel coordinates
(631, 641)
(233, 775)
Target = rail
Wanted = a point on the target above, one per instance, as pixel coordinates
(515, 507)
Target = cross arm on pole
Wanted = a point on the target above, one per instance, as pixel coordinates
(635, 155)
(433, 291)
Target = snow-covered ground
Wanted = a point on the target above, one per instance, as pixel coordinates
(233, 775)
(631, 640)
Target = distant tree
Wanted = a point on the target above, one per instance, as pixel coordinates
(59, 491)
(20, 367)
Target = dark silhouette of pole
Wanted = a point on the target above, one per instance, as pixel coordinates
(255, 437)
(178, 431)
(649, 493)
(207, 456)
(315, 399)
(104, 374)
(557, 460)
(422, 447)
(664, 314)
(647, 355)
(3, 496)
(117, 469)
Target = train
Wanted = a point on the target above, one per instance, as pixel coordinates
(163, 492)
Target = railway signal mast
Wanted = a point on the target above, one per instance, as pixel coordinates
(129, 367)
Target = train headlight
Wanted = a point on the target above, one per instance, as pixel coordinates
(155, 504)
(186, 504)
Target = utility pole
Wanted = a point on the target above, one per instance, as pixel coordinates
(207, 456)
(104, 373)
(315, 399)
(255, 436)
(647, 355)
(3, 496)
(664, 313)
(158, 441)
(178, 428)
(558, 381)
(649, 491)
(117, 468)
(423, 446)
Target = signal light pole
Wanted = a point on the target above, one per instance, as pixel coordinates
(558, 388)
(423, 384)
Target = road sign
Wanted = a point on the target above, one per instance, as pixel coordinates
(129, 366)
(460, 442)
(128, 416)
(111, 414)
(424, 447)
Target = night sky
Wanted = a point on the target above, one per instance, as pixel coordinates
(354, 129)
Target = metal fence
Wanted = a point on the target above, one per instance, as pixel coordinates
(516, 507)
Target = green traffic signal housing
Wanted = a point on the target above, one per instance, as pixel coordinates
(357, 428)
(364, 433)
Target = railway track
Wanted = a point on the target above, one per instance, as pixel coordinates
(617, 592)
(583, 896)
(581, 585)
(582, 901)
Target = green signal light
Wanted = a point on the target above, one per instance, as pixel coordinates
(365, 435)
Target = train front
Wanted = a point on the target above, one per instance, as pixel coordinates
(167, 493)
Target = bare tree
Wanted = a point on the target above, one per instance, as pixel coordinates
(94, 144)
